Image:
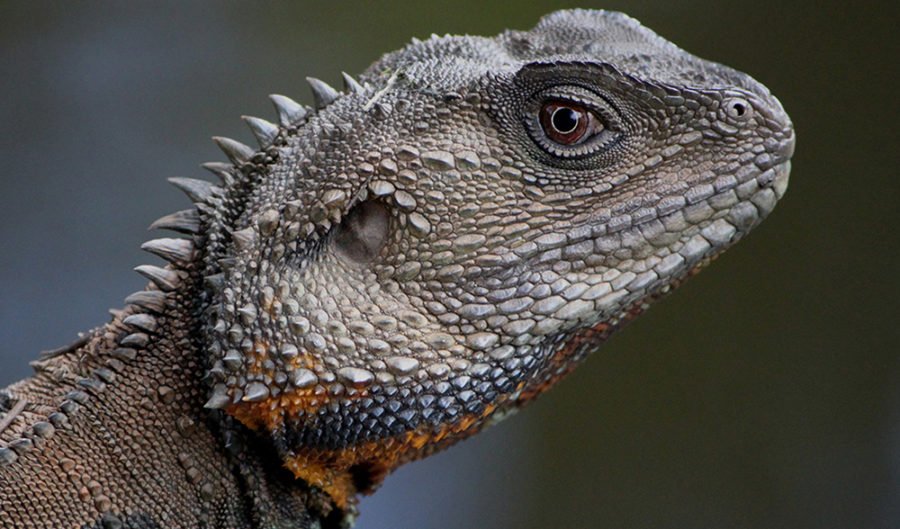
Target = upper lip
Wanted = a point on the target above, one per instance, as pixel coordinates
(785, 150)
(782, 127)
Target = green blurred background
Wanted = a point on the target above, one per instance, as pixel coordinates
(764, 394)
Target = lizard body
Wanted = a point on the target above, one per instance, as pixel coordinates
(409, 261)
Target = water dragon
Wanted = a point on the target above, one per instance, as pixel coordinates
(392, 269)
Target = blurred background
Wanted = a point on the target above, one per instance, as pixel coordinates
(763, 395)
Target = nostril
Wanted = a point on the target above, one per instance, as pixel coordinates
(738, 108)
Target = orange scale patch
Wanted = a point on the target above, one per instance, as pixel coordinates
(270, 413)
(344, 473)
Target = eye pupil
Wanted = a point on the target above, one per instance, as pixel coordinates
(565, 120)
(571, 123)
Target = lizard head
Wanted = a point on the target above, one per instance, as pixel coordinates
(443, 241)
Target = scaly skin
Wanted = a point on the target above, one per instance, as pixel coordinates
(414, 259)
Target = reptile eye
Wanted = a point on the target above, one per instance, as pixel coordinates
(568, 123)
(572, 123)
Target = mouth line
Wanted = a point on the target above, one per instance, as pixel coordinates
(776, 178)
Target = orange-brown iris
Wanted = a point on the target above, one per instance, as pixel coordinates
(568, 123)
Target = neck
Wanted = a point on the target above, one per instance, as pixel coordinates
(127, 401)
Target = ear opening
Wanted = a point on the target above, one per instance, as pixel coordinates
(363, 232)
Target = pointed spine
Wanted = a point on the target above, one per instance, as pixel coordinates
(264, 131)
(222, 170)
(125, 354)
(255, 392)
(215, 282)
(248, 313)
(185, 221)
(352, 85)
(143, 322)
(152, 300)
(323, 93)
(227, 263)
(236, 151)
(244, 239)
(219, 398)
(196, 190)
(177, 251)
(166, 280)
(137, 339)
(289, 111)
(268, 221)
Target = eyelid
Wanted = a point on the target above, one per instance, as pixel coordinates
(581, 96)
